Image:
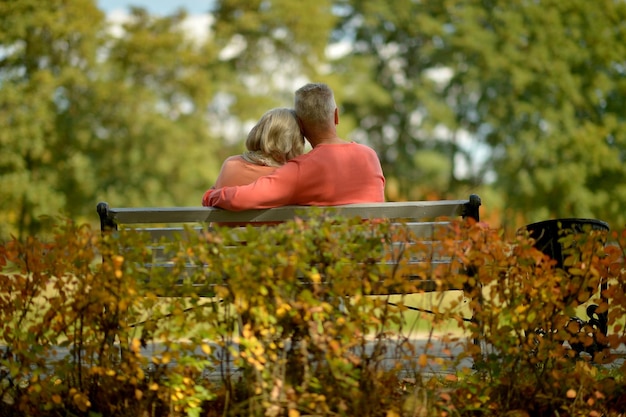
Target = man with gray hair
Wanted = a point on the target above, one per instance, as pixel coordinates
(334, 172)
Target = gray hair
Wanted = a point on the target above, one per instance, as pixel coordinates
(275, 139)
(315, 103)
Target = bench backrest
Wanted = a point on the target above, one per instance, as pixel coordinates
(410, 211)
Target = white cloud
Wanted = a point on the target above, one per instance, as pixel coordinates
(196, 26)
(338, 49)
(116, 19)
(236, 46)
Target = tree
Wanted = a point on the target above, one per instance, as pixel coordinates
(270, 48)
(549, 94)
(89, 116)
(48, 49)
(521, 99)
(391, 91)
(539, 85)
(154, 99)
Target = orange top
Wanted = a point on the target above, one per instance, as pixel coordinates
(237, 171)
(328, 175)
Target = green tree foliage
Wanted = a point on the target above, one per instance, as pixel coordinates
(89, 116)
(271, 48)
(388, 91)
(524, 100)
(538, 86)
(47, 51)
(153, 100)
(550, 102)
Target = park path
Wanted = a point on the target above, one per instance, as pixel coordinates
(440, 354)
(442, 357)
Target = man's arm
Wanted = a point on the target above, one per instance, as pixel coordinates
(274, 190)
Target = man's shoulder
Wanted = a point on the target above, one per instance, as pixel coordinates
(357, 146)
(363, 146)
(352, 146)
(363, 149)
(322, 152)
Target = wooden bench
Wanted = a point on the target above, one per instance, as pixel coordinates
(168, 224)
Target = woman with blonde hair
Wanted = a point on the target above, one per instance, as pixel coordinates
(275, 139)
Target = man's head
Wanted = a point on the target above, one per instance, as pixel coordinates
(316, 108)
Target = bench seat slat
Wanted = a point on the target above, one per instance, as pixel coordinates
(418, 230)
(411, 272)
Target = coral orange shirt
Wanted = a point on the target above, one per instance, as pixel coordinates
(237, 171)
(328, 175)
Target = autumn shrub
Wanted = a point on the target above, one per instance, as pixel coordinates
(296, 319)
(310, 337)
(538, 354)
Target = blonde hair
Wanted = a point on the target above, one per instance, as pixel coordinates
(275, 139)
(315, 104)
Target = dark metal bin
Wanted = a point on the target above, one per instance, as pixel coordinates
(547, 234)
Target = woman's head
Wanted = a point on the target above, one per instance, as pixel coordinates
(275, 139)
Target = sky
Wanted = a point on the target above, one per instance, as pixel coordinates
(161, 7)
(197, 23)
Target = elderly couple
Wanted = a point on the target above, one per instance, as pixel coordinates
(275, 172)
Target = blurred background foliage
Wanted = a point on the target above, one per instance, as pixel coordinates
(521, 102)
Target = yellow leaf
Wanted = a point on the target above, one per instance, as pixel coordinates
(423, 360)
(135, 345)
(576, 271)
(294, 413)
(117, 261)
(81, 401)
(206, 349)
(316, 278)
(517, 413)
